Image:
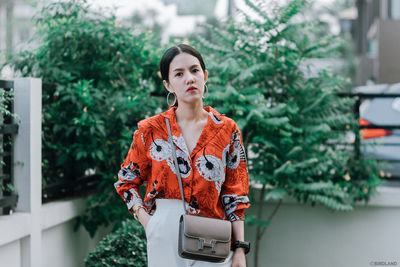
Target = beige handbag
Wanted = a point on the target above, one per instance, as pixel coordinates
(200, 238)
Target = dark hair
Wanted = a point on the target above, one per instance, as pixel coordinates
(174, 51)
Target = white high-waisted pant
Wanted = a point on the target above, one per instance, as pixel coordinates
(162, 238)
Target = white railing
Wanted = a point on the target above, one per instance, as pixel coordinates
(36, 234)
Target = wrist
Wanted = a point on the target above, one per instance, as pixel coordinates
(137, 206)
(140, 214)
(137, 209)
(241, 246)
(240, 251)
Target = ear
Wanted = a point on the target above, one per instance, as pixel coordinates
(205, 76)
(167, 86)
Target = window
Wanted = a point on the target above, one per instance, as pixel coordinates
(394, 9)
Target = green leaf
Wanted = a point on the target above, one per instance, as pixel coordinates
(330, 202)
(253, 221)
(275, 194)
(276, 121)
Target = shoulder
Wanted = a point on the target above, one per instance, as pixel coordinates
(157, 122)
(146, 128)
(229, 122)
(221, 118)
(151, 123)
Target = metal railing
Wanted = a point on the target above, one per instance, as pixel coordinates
(370, 95)
(69, 188)
(8, 197)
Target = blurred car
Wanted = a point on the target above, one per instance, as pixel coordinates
(379, 111)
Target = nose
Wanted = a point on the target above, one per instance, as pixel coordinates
(189, 78)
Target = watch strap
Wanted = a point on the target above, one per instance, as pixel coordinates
(242, 244)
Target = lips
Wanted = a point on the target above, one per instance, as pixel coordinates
(191, 88)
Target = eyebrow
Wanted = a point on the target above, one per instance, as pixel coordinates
(179, 69)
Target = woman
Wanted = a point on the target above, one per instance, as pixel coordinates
(211, 161)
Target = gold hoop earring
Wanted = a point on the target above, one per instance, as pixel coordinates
(168, 99)
(206, 92)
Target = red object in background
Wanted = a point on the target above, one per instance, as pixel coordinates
(372, 133)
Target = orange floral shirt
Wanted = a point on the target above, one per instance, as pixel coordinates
(215, 176)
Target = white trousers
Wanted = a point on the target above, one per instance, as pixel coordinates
(162, 238)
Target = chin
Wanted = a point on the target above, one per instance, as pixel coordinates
(191, 100)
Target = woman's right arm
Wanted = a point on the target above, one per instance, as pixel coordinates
(133, 173)
(142, 216)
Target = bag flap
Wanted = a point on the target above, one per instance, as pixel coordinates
(207, 228)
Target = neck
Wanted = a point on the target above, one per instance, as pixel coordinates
(190, 113)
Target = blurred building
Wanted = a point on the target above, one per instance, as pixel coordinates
(6, 27)
(191, 13)
(177, 18)
(16, 26)
(377, 36)
(204, 7)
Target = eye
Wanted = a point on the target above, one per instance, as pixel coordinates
(178, 74)
(195, 70)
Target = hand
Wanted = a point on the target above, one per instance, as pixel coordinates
(143, 217)
(239, 258)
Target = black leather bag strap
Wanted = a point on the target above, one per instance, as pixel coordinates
(178, 172)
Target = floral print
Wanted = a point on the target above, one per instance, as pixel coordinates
(131, 197)
(230, 203)
(214, 176)
(183, 164)
(160, 149)
(130, 172)
(234, 152)
(192, 207)
(211, 168)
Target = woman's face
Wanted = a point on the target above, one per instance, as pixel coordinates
(186, 78)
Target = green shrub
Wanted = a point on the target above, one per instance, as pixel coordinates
(97, 76)
(6, 100)
(124, 247)
(294, 124)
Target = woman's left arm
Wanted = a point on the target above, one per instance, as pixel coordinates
(234, 192)
(239, 257)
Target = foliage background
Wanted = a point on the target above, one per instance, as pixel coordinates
(124, 247)
(6, 99)
(294, 124)
(97, 77)
(100, 78)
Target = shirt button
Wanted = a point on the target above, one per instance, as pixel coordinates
(187, 184)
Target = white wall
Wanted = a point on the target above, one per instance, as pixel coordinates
(61, 246)
(10, 254)
(299, 235)
(304, 236)
(36, 234)
(64, 247)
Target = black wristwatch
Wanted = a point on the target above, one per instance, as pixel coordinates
(242, 244)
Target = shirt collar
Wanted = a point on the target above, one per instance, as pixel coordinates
(213, 125)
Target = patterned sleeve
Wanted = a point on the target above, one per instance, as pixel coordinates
(236, 186)
(133, 171)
